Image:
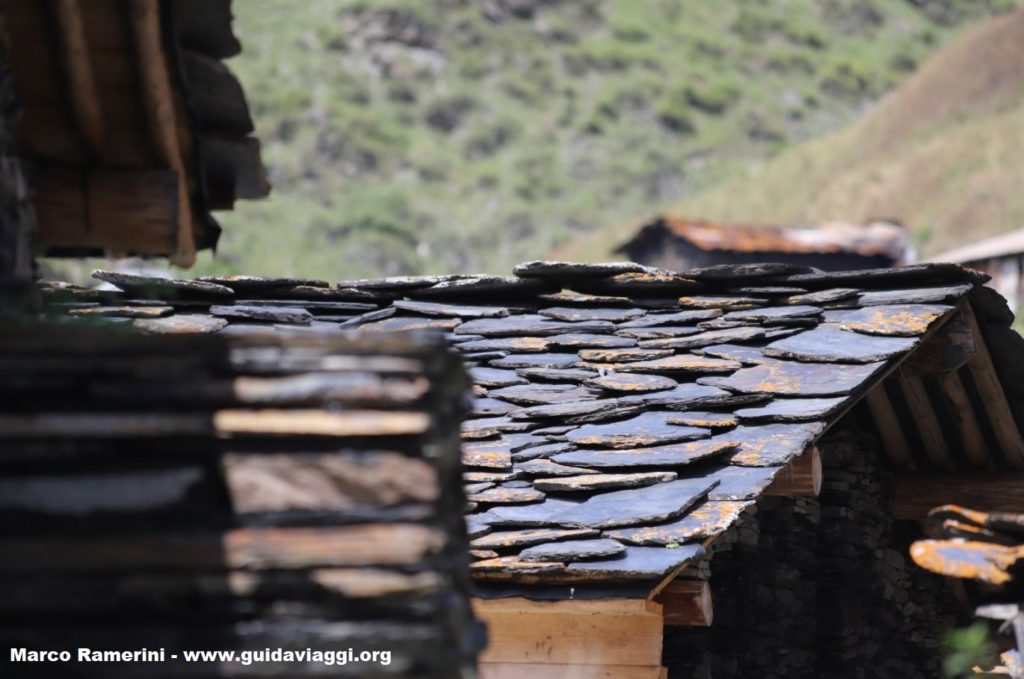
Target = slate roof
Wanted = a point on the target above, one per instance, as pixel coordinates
(1004, 245)
(623, 415)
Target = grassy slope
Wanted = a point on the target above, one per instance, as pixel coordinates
(429, 135)
(942, 153)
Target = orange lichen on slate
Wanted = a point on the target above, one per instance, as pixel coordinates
(971, 560)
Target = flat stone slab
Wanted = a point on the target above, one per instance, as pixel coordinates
(741, 483)
(793, 409)
(507, 496)
(532, 325)
(399, 283)
(591, 341)
(157, 287)
(622, 355)
(771, 444)
(559, 270)
(739, 272)
(270, 314)
(591, 482)
(834, 345)
(566, 410)
(558, 374)
(578, 314)
(547, 468)
(642, 283)
(677, 318)
(724, 302)
(319, 306)
(638, 563)
(933, 295)
(513, 565)
(636, 505)
(539, 514)
(545, 450)
(477, 286)
(690, 395)
(450, 310)
(646, 429)
(507, 344)
(703, 419)
(180, 323)
(705, 520)
(824, 296)
(773, 313)
(891, 319)
(243, 283)
(621, 411)
(492, 406)
(914, 274)
(487, 454)
(572, 550)
(542, 394)
(794, 378)
(734, 352)
(542, 360)
(495, 377)
(632, 383)
(744, 333)
(489, 427)
(409, 324)
(524, 538)
(313, 293)
(659, 332)
(121, 311)
(682, 363)
(674, 455)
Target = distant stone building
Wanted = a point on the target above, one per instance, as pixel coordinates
(680, 244)
(1001, 257)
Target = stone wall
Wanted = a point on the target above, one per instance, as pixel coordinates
(820, 587)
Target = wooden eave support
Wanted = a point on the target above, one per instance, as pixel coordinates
(800, 478)
(85, 99)
(687, 602)
(915, 496)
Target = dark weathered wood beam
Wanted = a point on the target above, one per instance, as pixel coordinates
(800, 478)
(894, 440)
(85, 98)
(915, 496)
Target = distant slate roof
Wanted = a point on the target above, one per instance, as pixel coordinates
(623, 415)
(1004, 245)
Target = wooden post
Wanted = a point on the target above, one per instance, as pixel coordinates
(687, 602)
(85, 100)
(800, 478)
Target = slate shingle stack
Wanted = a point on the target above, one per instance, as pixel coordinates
(612, 401)
(219, 492)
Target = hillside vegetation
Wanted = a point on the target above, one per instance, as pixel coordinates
(942, 153)
(408, 136)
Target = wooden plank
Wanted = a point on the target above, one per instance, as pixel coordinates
(997, 408)
(78, 68)
(800, 478)
(575, 632)
(971, 437)
(926, 421)
(914, 497)
(542, 671)
(894, 440)
(162, 116)
(687, 602)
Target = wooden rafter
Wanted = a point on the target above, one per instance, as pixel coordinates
(85, 98)
(687, 602)
(802, 477)
(915, 496)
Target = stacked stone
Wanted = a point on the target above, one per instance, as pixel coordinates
(234, 493)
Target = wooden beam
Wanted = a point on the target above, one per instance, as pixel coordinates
(972, 439)
(687, 602)
(800, 478)
(926, 421)
(590, 632)
(997, 408)
(914, 496)
(894, 440)
(542, 671)
(944, 352)
(162, 116)
(85, 100)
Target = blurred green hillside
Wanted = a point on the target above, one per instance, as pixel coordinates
(407, 136)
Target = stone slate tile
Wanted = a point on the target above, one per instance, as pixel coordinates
(477, 526)
(477, 487)
(399, 283)
(562, 270)
(723, 302)
(766, 445)
(450, 310)
(646, 429)
(690, 395)
(317, 307)
(622, 355)
(639, 563)
(244, 284)
(180, 323)
(271, 314)
(578, 299)
(644, 283)
(740, 272)
(236, 328)
(476, 476)
(834, 345)
(636, 506)
(792, 378)
(531, 325)
(825, 296)
(378, 315)
(673, 455)
(541, 451)
(572, 550)
(565, 410)
(126, 311)
(621, 411)
(771, 334)
(313, 293)
(773, 313)
(509, 443)
(491, 426)
(487, 455)
(543, 467)
(677, 318)
(542, 394)
(518, 483)
(704, 339)
(591, 482)
(513, 565)
(507, 496)
(578, 314)
(492, 406)
(590, 341)
(155, 286)
(697, 418)
(891, 319)
(659, 332)
(477, 357)
(483, 554)
(793, 409)
(682, 363)
(557, 374)
(705, 520)
(539, 514)
(769, 290)
(733, 352)
(740, 483)
(494, 377)
(508, 344)
(557, 429)
(408, 324)
(711, 380)
(543, 360)
(479, 286)
(914, 274)
(721, 324)
(507, 539)
(631, 383)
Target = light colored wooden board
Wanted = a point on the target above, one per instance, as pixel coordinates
(800, 478)
(541, 671)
